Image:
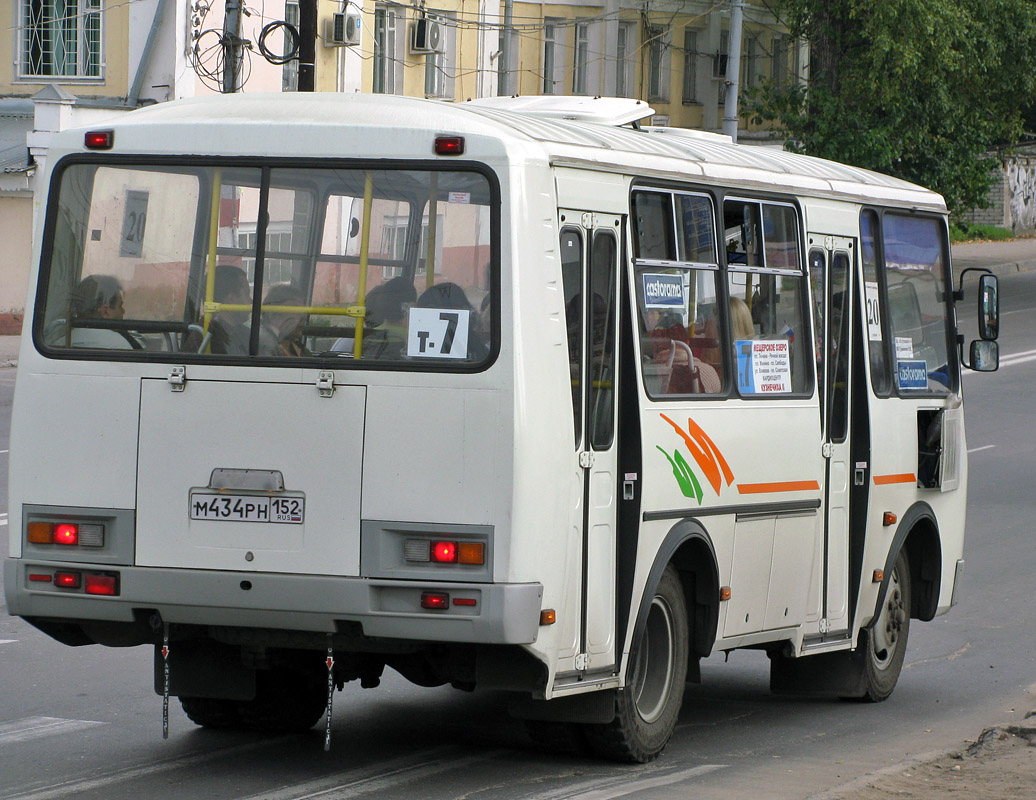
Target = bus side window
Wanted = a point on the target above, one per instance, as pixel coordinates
(571, 278)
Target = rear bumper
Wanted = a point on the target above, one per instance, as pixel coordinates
(501, 614)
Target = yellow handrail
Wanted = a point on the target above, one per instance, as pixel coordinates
(365, 242)
(433, 213)
(210, 278)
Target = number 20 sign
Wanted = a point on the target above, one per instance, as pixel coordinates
(438, 333)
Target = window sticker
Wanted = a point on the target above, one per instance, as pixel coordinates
(460, 197)
(913, 374)
(763, 367)
(663, 291)
(904, 347)
(134, 219)
(873, 311)
(438, 333)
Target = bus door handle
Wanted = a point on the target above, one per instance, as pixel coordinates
(627, 486)
(860, 474)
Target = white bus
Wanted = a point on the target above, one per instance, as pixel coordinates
(510, 395)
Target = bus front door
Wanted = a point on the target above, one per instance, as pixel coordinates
(831, 273)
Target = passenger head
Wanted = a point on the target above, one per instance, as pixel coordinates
(286, 326)
(445, 295)
(99, 296)
(741, 319)
(389, 301)
(231, 286)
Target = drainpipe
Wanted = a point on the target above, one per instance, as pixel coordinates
(733, 69)
(145, 56)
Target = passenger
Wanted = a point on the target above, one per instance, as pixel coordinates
(451, 296)
(281, 333)
(231, 330)
(741, 325)
(99, 297)
(387, 305)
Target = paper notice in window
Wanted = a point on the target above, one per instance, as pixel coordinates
(460, 197)
(763, 367)
(904, 347)
(873, 311)
(438, 333)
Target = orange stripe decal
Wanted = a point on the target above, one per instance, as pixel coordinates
(884, 480)
(782, 486)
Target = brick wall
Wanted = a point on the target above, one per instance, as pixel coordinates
(1012, 197)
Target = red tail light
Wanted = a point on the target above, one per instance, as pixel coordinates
(435, 600)
(66, 533)
(444, 552)
(99, 140)
(102, 584)
(68, 580)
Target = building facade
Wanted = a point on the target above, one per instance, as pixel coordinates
(79, 62)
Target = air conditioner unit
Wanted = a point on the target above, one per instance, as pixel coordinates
(342, 30)
(427, 36)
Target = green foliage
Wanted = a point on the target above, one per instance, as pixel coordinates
(918, 89)
(969, 232)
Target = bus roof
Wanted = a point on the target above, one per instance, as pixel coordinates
(311, 120)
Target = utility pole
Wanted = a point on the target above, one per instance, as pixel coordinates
(232, 47)
(307, 44)
(503, 87)
(733, 69)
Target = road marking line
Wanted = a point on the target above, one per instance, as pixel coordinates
(8, 641)
(377, 777)
(980, 449)
(51, 791)
(3, 522)
(22, 730)
(610, 788)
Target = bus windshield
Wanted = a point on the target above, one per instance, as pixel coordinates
(257, 262)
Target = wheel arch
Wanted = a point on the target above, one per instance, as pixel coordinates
(918, 532)
(689, 549)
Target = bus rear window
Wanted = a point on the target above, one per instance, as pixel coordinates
(208, 262)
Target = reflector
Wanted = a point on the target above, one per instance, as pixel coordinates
(464, 601)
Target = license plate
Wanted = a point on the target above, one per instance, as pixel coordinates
(248, 508)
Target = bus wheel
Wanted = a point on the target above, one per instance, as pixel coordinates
(885, 639)
(647, 709)
(286, 701)
(210, 712)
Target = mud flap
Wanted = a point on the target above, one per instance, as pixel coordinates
(841, 674)
(204, 669)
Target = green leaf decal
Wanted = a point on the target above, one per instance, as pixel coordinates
(684, 475)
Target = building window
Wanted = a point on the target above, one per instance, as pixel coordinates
(625, 47)
(779, 60)
(550, 54)
(748, 67)
(61, 39)
(582, 64)
(290, 73)
(690, 66)
(388, 24)
(658, 64)
(440, 69)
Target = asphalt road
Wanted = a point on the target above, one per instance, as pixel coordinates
(85, 723)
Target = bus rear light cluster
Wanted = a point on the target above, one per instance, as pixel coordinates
(69, 534)
(105, 584)
(444, 552)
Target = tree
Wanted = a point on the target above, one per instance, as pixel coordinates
(918, 89)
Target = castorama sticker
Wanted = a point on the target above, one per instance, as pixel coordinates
(663, 291)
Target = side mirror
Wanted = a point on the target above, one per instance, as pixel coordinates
(988, 308)
(985, 356)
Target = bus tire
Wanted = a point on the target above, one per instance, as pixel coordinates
(210, 712)
(286, 701)
(884, 641)
(646, 710)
